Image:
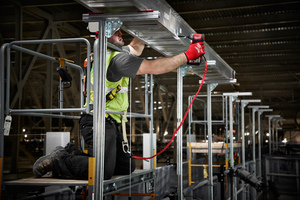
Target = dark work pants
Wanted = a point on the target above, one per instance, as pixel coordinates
(116, 162)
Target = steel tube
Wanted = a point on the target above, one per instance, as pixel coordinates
(2, 92)
(54, 110)
(233, 186)
(179, 133)
(99, 110)
(259, 143)
(209, 133)
(270, 136)
(67, 40)
(273, 133)
(243, 104)
(253, 142)
(151, 117)
(49, 115)
(122, 16)
(137, 115)
(46, 57)
(259, 112)
(14, 46)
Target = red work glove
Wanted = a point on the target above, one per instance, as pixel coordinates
(195, 50)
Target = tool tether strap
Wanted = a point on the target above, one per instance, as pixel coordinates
(125, 141)
(110, 96)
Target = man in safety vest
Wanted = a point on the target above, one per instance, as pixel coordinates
(69, 162)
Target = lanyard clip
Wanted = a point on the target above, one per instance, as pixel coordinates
(125, 147)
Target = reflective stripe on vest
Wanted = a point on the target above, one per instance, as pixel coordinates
(123, 90)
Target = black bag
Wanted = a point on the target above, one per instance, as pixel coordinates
(64, 74)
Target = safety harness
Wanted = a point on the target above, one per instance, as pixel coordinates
(110, 96)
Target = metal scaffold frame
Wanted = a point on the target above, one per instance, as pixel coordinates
(109, 186)
(244, 103)
(208, 120)
(259, 109)
(97, 185)
(162, 35)
(228, 77)
(5, 81)
(169, 25)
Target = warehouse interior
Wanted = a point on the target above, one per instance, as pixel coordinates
(258, 40)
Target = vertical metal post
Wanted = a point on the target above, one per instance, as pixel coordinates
(275, 120)
(278, 119)
(150, 122)
(270, 135)
(230, 101)
(190, 116)
(259, 112)
(243, 104)
(259, 143)
(271, 125)
(2, 93)
(254, 109)
(273, 134)
(276, 136)
(179, 133)
(273, 139)
(297, 177)
(226, 130)
(146, 95)
(267, 167)
(61, 95)
(209, 133)
(7, 100)
(233, 189)
(99, 112)
(253, 147)
(151, 112)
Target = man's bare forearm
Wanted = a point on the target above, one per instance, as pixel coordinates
(136, 47)
(162, 65)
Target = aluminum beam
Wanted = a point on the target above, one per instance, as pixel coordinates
(161, 34)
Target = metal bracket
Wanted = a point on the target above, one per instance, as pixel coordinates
(212, 86)
(185, 70)
(111, 27)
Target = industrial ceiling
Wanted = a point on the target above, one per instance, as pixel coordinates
(259, 39)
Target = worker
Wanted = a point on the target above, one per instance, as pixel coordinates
(69, 162)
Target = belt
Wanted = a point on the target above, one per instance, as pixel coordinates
(107, 116)
(110, 119)
(125, 144)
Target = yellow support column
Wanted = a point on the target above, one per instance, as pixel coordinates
(91, 171)
(190, 164)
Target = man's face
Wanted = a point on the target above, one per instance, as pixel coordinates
(116, 39)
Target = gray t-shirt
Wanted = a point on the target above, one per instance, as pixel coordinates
(123, 64)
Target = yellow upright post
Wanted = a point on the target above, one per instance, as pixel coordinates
(190, 164)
